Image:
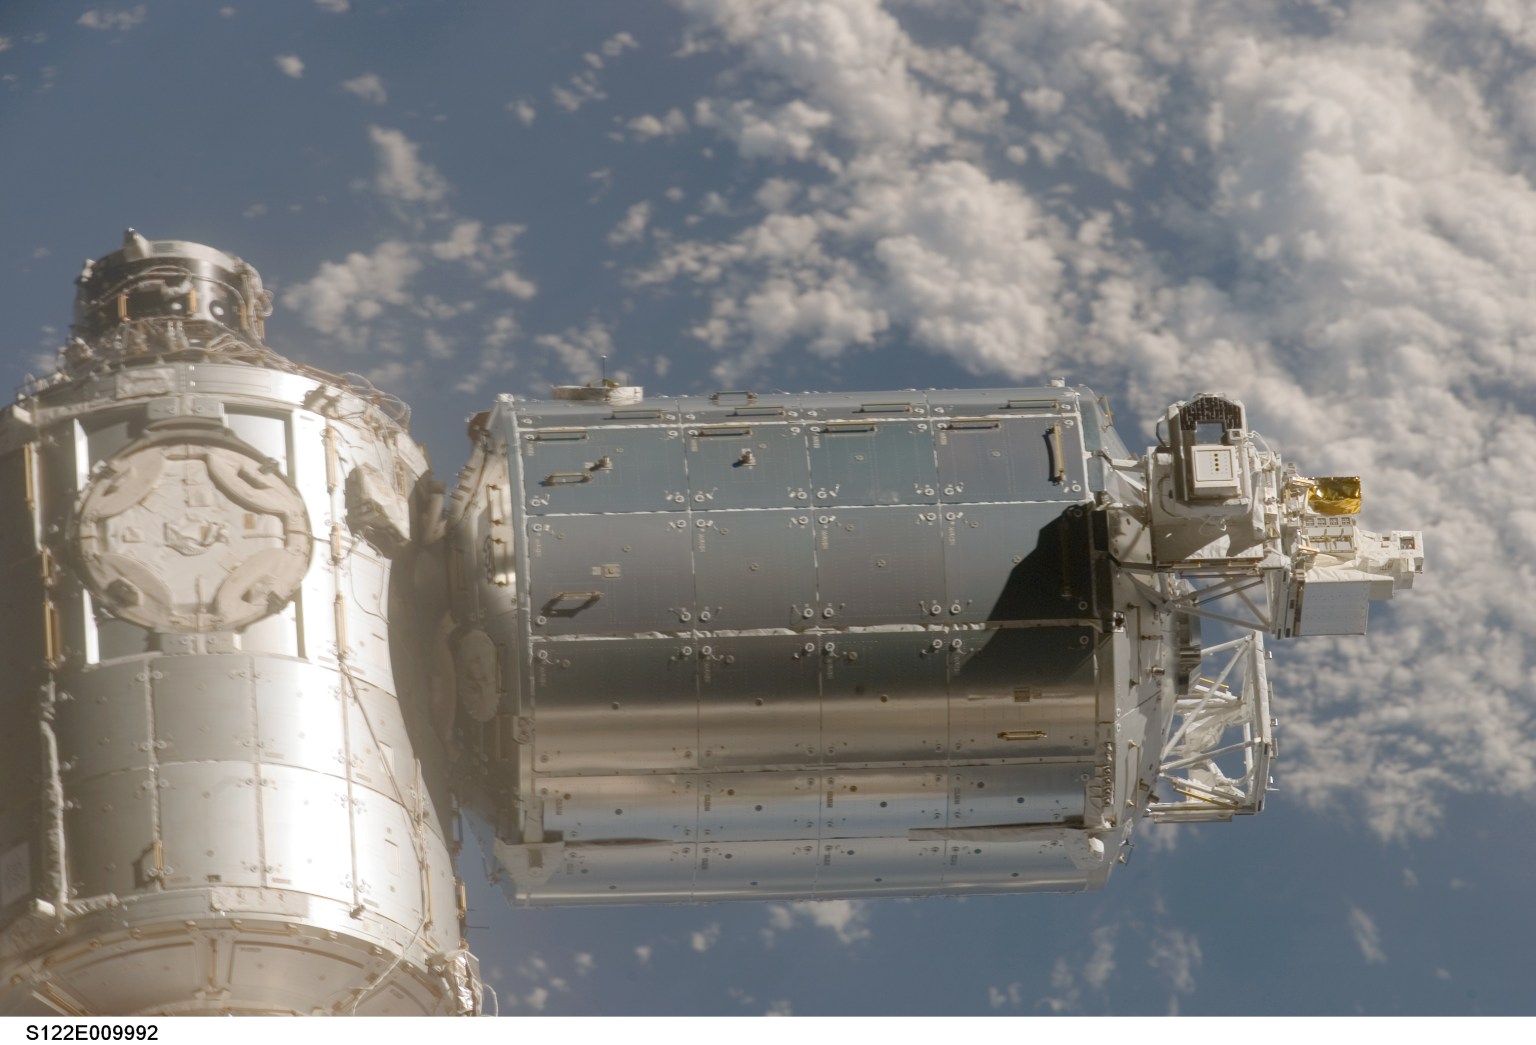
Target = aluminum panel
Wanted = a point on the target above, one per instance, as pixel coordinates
(364, 582)
(107, 433)
(1028, 793)
(110, 835)
(389, 874)
(210, 824)
(736, 407)
(22, 615)
(133, 981)
(1000, 458)
(905, 404)
(278, 633)
(879, 867)
(102, 721)
(610, 574)
(867, 460)
(743, 870)
(382, 754)
(885, 698)
(864, 803)
(21, 767)
(754, 570)
(299, 717)
(267, 431)
(759, 703)
(629, 808)
(203, 709)
(1009, 685)
(880, 566)
(297, 807)
(115, 639)
(746, 463)
(534, 414)
(616, 874)
(1018, 562)
(1032, 866)
(1008, 402)
(309, 469)
(296, 974)
(772, 805)
(231, 380)
(603, 469)
(615, 706)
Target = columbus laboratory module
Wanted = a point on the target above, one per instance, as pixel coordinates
(259, 667)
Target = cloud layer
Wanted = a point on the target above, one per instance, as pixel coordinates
(1323, 210)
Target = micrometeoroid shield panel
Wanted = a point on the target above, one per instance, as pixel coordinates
(792, 646)
(205, 751)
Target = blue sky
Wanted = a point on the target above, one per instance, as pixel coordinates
(1323, 208)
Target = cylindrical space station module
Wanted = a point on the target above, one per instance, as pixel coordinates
(215, 799)
(734, 646)
(832, 645)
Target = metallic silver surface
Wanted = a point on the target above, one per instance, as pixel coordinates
(216, 799)
(659, 650)
(789, 646)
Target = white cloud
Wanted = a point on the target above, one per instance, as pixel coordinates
(492, 254)
(509, 282)
(537, 999)
(1176, 955)
(1158, 838)
(1367, 937)
(647, 126)
(369, 87)
(706, 938)
(579, 351)
(1009, 997)
(523, 110)
(290, 65)
(119, 21)
(1064, 983)
(5, 43)
(402, 174)
(579, 90)
(334, 6)
(437, 344)
(462, 243)
(847, 920)
(584, 963)
(344, 297)
(1101, 963)
(851, 56)
(643, 953)
(618, 43)
(1333, 226)
(781, 1007)
(632, 226)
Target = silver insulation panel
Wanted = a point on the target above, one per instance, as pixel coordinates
(800, 646)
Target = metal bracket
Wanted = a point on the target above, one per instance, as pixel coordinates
(1214, 726)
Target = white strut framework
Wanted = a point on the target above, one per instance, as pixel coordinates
(1228, 525)
(1215, 723)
